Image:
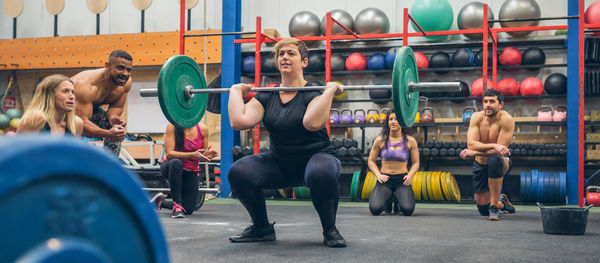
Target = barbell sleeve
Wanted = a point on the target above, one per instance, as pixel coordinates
(412, 87)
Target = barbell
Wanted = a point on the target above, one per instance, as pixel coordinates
(182, 91)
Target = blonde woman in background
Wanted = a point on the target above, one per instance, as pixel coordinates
(52, 109)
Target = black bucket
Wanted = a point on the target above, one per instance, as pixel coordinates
(564, 220)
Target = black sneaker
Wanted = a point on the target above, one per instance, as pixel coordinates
(178, 211)
(157, 200)
(254, 234)
(494, 213)
(332, 238)
(508, 206)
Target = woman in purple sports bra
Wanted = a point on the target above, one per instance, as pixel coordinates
(396, 148)
(184, 149)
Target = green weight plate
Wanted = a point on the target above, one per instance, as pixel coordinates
(295, 190)
(305, 192)
(177, 73)
(354, 185)
(405, 71)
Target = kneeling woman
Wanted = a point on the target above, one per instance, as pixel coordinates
(393, 179)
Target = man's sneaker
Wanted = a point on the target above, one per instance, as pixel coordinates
(508, 206)
(255, 234)
(178, 211)
(494, 213)
(157, 200)
(332, 238)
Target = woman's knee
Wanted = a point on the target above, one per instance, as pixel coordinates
(322, 169)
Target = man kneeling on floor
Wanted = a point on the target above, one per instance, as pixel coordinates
(490, 133)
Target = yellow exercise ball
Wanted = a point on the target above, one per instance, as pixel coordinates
(342, 96)
(14, 123)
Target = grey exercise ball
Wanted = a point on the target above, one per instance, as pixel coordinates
(305, 24)
(519, 9)
(341, 16)
(471, 17)
(338, 63)
(371, 21)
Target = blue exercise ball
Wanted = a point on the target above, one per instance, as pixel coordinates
(390, 58)
(248, 64)
(376, 61)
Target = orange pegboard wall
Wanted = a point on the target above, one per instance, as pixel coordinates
(147, 49)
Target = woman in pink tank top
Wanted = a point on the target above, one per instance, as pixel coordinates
(184, 149)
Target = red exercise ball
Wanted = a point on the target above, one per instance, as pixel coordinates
(592, 14)
(508, 87)
(532, 87)
(477, 87)
(422, 60)
(510, 56)
(356, 61)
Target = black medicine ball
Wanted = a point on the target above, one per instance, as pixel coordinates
(380, 94)
(268, 64)
(315, 63)
(556, 84)
(463, 57)
(464, 92)
(338, 63)
(440, 60)
(533, 56)
(479, 58)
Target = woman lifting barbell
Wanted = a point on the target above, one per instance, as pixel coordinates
(301, 153)
(395, 147)
(52, 109)
(184, 149)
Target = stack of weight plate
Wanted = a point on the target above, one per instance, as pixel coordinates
(302, 192)
(435, 185)
(549, 187)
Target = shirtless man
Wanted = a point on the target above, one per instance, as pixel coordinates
(490, 133)
(104, 86)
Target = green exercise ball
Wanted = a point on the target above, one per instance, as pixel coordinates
(4, 120)
(432, 15)
(13, 114)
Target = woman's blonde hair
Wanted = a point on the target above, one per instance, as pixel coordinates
(44, 102)
(294, 41)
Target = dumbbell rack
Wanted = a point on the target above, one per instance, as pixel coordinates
(575, 96)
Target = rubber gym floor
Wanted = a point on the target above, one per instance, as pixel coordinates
(434, 233)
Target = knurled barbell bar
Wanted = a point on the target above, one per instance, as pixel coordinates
(180, 79)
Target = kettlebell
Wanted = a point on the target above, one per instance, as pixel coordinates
(384, 113)
(427, 116)
(560, 113)
(359, 116)
(334, 116)
(372, 116)
(544, 113)
(592, 195)
(467, 113)
(346, 116)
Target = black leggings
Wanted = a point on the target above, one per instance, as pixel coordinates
(250, 174)
(382, 195)
(183, 184)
